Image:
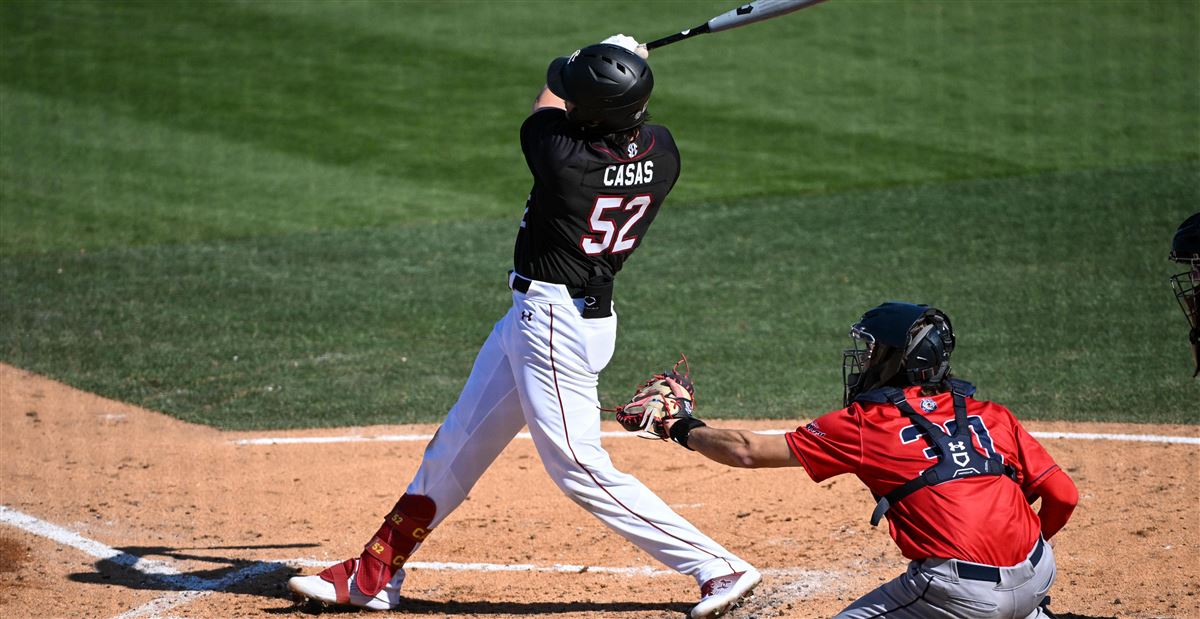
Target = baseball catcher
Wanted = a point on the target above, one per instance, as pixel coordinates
(955, 477)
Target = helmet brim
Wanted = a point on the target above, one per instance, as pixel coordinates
(554, 77)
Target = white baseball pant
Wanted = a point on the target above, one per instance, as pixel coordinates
(539, 368)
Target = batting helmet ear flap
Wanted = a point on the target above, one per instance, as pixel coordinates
(554, 80)
(607, 85)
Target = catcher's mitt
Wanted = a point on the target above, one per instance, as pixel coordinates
(668, 395)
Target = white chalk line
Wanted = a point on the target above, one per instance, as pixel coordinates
(1138, 438)
(89, 547)
(191, 588)
(499, 567)
(203, 588)
(409, 438)
(156, 607)
(382, 438)
(813, 578)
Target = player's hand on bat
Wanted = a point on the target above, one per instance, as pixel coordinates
(628, 43)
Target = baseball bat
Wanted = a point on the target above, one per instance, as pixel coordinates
(756, 11)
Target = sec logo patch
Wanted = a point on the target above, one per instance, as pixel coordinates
(928, 405)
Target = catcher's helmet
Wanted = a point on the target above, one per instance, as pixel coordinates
(896, 340)
(1185, 249)
(607, 85)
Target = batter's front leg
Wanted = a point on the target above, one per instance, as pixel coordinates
(484, 420)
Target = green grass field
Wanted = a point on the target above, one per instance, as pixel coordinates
(291, 214)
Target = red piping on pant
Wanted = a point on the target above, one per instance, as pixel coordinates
(562, 410)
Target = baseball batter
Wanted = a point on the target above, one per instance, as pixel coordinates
(954, 476)
(600, 176)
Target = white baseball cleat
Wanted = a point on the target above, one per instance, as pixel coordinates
(318, 588)
(721, 594)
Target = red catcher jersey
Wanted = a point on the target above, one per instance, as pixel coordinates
(984, 519)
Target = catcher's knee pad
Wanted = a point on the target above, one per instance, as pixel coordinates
(402, 531)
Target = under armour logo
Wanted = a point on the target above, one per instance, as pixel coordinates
(527, 315)
(959, 446)
(632, 149)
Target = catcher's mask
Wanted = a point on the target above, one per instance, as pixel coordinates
(1185, 249)
(607, 85)
(897, 342)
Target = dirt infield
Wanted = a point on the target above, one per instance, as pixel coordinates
(107, 510)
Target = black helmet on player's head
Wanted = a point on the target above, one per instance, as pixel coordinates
(897, 344)
(1185, 249)
(607, 85)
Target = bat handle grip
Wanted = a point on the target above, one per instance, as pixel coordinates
(678, 36)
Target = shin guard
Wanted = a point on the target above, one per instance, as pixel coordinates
(402, 531)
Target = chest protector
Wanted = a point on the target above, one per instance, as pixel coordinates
(956, 454)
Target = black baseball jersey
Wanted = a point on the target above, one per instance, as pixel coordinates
(590, 207)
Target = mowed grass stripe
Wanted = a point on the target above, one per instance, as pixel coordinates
(120, 181)
(422, 102)
(1055, 282)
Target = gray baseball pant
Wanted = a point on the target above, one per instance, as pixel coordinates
(951, 589)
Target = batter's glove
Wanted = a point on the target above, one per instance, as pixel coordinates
(628, 43)
(664, 401)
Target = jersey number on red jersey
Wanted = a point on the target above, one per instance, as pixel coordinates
(605, 236)
(911, 433)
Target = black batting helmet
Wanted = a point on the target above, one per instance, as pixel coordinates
(607, 85)
(1185, 249)
(896, 340)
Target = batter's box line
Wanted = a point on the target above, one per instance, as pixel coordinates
(424, 438)
(190, 587)
(164, 603)
(791, 573)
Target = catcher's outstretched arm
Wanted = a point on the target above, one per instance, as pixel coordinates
(742, 448)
